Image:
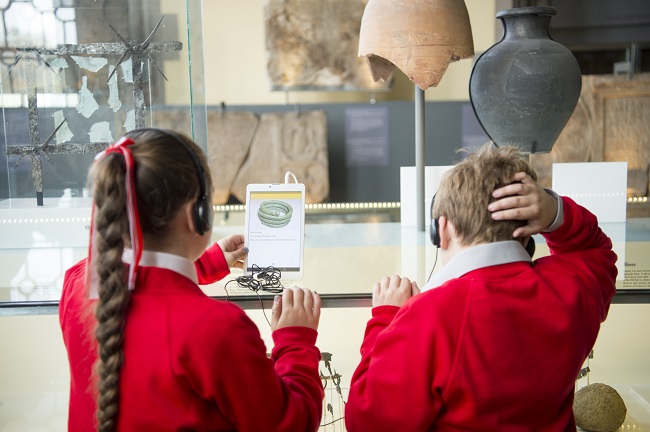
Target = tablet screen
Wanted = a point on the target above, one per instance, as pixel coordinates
(274, 228)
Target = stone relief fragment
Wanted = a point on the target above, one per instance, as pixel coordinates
(313, 44)
(289, 141)
(244, 147)
(609, 124)
(230, 136)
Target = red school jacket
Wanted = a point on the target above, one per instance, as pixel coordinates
(191, 362)
(496, 349)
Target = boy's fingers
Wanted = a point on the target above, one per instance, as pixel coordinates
(502, 204)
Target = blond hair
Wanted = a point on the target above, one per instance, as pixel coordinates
(466, 190)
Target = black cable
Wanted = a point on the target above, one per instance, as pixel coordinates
(332, 422)
(266, 279)
(434, 265)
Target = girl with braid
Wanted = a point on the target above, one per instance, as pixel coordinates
(148, 350)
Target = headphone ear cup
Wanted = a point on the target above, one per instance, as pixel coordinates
(434, 233)
(201, 214)
(433, 229)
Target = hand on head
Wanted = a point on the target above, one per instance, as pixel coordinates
(233, 250)
(297, 307)
(524, 200)
(393, 291)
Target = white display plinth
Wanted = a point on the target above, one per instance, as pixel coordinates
(600, 187)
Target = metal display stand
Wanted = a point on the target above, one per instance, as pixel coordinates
(419, 157)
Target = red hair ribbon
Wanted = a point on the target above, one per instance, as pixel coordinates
(135, 232)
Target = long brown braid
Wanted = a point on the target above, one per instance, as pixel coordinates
(166, 179)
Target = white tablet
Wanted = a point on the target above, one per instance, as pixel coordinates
(274, 228)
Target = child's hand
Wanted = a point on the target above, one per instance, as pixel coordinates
(297, 307)
(393, 291)
(524, 200)
(233, 250)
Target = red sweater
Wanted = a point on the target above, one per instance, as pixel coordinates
(191, 362)
(497, 349)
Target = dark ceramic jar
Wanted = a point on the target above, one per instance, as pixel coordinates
(526, 86)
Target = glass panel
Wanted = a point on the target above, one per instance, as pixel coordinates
(83, 77)
(75, 102)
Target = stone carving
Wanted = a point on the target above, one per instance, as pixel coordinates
(244, 148)
(609, 124)
(573, 145)
(313, 44)
(282, 142)
(230, 135)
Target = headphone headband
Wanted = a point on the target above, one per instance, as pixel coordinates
(434, 233)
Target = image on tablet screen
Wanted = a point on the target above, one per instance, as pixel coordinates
(275, 230)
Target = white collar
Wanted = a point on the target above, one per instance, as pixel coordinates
(476, 257)
(164, 260)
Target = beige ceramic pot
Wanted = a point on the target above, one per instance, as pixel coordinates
(420, 37)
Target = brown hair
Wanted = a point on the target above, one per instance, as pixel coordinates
(166, 178)
(466, 190)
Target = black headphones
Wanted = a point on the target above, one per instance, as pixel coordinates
(433, 229)
(201, 208)
(435, 234)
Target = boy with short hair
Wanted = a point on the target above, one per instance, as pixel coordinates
(496, 340)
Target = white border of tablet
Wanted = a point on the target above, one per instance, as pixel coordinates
(279, 187)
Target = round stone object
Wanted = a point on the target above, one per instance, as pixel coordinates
(599, 408)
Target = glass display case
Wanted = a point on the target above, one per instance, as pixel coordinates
(76, 75)
(87, 73)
